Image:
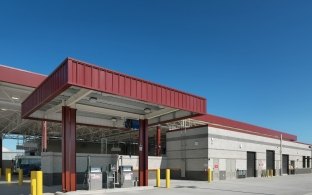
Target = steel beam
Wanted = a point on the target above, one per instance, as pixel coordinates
(146, 152)
(143, 153)
(68, 149)
(158, 141)
(105, 111)
(159, 113)
(71, 101)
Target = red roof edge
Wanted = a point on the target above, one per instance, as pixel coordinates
(247, 128)
(20, 77)
(101, 79)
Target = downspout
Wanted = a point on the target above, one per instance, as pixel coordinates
(281, 154)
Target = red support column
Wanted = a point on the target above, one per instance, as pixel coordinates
(1, 153)
(68, 149)
(143, 153)
(44, 136)
(158, 141)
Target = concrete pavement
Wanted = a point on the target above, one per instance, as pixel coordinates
(286, 185)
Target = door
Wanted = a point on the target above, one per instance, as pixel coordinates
(230, 169)
(285, 164)
(215, 169)
(251, 164)
(292, 167)
(270, 160)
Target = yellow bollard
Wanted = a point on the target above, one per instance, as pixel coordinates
(209, 175)
(158, 178)
(167, 178)
(39, 182)
(8, 175)
(33, 183)
(20, 177)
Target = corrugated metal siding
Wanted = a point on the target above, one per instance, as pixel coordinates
(47, 90)
(74, 72)
(99, 79)
(244, 126)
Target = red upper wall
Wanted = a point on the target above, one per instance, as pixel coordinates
(20, 77)
(244, 127)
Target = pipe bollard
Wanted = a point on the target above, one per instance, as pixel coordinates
(271, 172)
(8, 175)
(267, 173)
(158, 178)
(167, 178)
(36, 183)
(33, 183)
(39, 182)
(209, 175)
(20, 177)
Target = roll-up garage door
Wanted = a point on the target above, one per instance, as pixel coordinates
(285, 164)
(270, 160)
(251, 164)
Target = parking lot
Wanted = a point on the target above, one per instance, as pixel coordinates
(286, 185)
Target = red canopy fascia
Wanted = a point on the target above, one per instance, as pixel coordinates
(72, 72)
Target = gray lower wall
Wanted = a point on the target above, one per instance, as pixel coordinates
(187, 153)
(52, 167)
(303, 171)
(50, 179)
(191, 152)
(195, 150)
(196, 175)
(189, 175)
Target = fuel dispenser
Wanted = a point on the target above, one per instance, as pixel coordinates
(93, 176)
(110, 176)
(97, 178)
(126, 178)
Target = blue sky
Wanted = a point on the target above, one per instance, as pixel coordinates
(250, 59)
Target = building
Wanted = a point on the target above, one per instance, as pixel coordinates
(233, 149)
(82, 110)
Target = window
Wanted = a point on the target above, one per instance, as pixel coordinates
(303, 162)
(308, 161)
